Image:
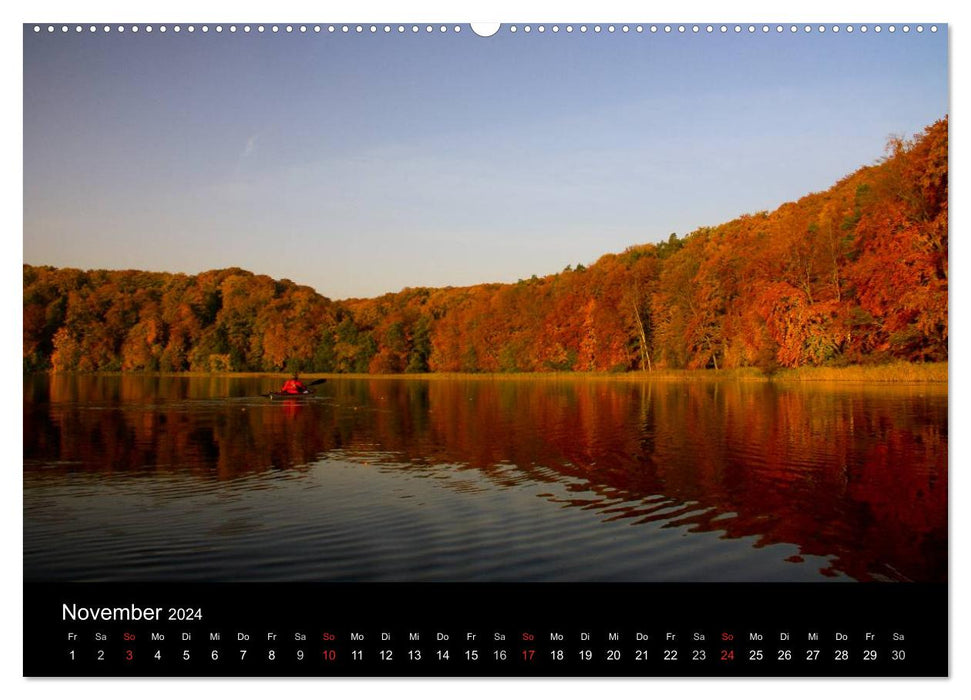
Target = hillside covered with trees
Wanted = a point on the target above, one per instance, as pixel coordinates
(855, 274)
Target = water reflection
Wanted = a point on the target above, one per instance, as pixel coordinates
(855, 477)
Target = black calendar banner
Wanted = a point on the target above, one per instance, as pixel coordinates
(486, 630)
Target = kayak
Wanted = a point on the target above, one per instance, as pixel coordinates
(279, 395)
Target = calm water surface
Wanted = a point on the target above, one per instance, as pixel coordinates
(179, 478)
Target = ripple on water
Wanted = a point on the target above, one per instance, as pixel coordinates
(488, 481)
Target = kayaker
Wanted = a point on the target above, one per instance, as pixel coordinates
(294, 386)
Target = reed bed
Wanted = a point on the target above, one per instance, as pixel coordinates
(898, 372)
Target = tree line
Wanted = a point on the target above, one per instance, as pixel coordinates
(855, 274)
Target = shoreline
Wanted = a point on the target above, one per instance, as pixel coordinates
(893, 373)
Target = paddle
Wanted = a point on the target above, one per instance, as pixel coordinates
(313, 383)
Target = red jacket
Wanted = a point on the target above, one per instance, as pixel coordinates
(293, 386)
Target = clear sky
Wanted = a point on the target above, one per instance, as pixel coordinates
(361, 164)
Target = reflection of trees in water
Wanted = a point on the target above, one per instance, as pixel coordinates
(858, 476)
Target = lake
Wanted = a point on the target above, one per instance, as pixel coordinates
(156, 478)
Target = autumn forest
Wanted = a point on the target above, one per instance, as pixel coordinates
(856, 274)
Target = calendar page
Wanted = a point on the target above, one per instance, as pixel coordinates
(540, 349)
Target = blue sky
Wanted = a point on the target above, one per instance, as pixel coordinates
(361, 164)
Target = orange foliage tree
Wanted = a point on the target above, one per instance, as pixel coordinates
(858, 273)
